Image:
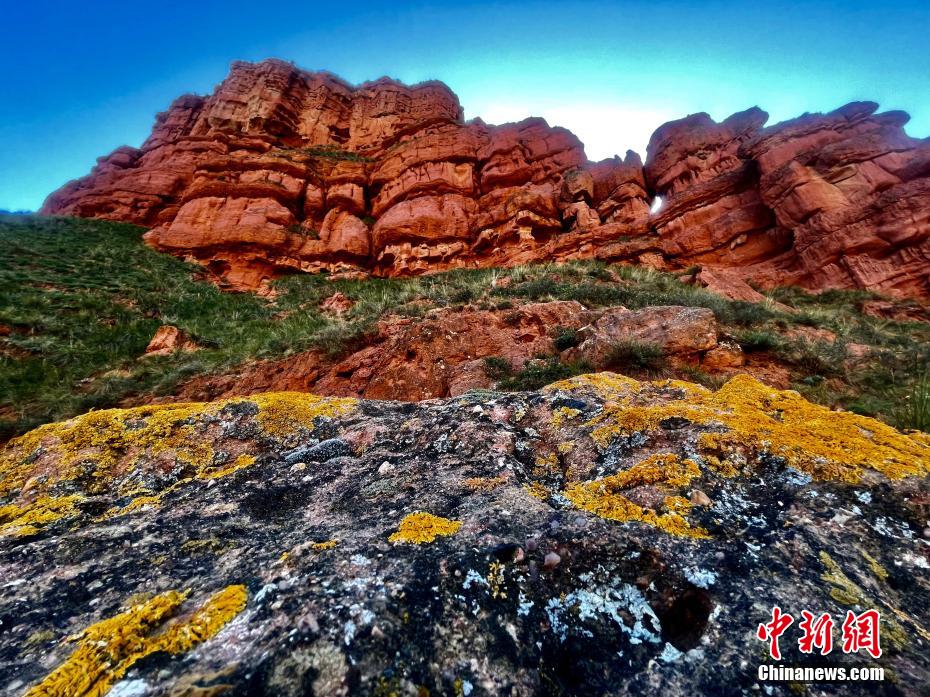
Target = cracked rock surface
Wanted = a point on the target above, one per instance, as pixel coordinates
(599, 537)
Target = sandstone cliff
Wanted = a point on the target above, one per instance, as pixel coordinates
(282, 169)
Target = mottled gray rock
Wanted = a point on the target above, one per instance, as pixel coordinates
(321, 452)
(334, 601)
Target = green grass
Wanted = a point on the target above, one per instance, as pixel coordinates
(535, 373)
(332, 152)
(565, 338)
(635, 357)
(877, 386)
(80, 299)
(914, 412)
(755, 340)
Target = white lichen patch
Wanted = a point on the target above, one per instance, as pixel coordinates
(606, 603)
(702, 578)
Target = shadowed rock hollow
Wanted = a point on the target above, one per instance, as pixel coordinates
(600, 536)
(282, 169)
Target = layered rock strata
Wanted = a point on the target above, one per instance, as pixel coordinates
(282, 169)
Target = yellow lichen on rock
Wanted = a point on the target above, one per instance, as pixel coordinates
(241, 462)
(537, 490)
(759, 420)
(29, 519)
(109, 648)
(323, 546)
(607, 386)
(418, 528)
(562, 414)
(664, 468)
(603, 496)
(111, 452)
(282, 413)
(843, 589)
(484, 485)
(101, 439)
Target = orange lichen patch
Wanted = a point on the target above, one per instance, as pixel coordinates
(598, 497)
(115, 450)
(29, 519)
(420, 527)
(661, 468)
(99, 440)
(919, 436)
(242, 461)
(759, 419)
(323, 546)
(282, 413)
(537, 490)
(562, 414)
(484, 484)
(109, 648)
(546, 465)
(607, 386)
(603, 497)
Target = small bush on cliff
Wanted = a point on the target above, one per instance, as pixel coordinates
(635, 356)
(819, 358)
(534, 374)
(565, 338)
(758, 340)
(332, 152)
(538, 373)
(497, 368)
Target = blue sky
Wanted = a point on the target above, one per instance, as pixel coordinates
(79, 79)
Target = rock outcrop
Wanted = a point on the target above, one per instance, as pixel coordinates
(167, 340)
(840, 200)
(282, 169)
(601, 536)
(445, 353)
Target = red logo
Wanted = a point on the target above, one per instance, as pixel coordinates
(860, 631)
(818, 633)
(774, 629)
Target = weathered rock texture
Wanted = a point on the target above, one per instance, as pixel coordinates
(444, 354)
(823, 201)
(600, 537)
(283, 169)
(169, 339)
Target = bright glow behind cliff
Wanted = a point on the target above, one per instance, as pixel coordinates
(605, 129)
(609, 71)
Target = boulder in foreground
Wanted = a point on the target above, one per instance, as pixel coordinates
(601, 536)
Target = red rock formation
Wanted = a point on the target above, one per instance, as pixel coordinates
(281, 169)
(167, 340)
(443, 353)
(840, 200)
(284, 169)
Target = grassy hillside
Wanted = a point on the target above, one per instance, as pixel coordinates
(80, 299)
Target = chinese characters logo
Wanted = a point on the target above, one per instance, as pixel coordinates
(859, 632)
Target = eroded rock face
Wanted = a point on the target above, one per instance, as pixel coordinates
(444, 353)
(836, 200)
(680, 332)
(168, 339)
(601, 536)
(282, 169)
